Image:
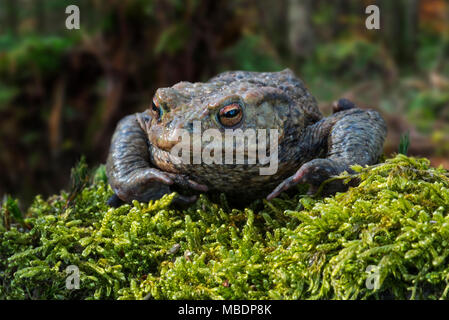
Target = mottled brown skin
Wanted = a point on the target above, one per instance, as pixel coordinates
(311, 148)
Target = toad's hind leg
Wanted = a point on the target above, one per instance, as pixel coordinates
(128, 166)
(352, 136)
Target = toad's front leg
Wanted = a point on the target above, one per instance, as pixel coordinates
(129, 171)
(350, 136)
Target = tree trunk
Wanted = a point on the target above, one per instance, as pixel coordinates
(300, 31)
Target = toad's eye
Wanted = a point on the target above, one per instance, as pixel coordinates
(230, 115)
(157, 111)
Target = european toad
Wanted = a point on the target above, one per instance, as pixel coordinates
(310, 148)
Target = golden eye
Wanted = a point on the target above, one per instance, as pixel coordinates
(230, 115)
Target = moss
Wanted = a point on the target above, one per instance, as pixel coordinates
(395, 222)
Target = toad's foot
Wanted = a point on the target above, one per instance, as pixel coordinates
(150, 183)
(314, 173)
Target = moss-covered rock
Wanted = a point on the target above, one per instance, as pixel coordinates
(386, 238)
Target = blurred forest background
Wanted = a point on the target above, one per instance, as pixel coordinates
(63, 91)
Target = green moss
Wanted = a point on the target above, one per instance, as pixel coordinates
(396, 221)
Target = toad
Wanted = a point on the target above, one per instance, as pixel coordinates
(310, 148)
